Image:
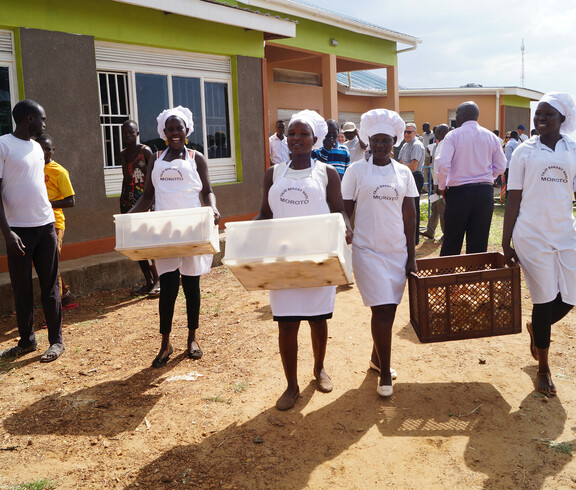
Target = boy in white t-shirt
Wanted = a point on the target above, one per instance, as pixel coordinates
(27, 223)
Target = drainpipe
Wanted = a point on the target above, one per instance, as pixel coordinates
(497, 110)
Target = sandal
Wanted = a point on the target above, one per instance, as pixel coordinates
(155, 290)
(17, 351)
(141, 290)
(53, 353)
(159, 362)
(551, 390)
(195, 353)
(533, 349)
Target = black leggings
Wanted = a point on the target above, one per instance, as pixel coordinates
(169, 286)
(544, 316)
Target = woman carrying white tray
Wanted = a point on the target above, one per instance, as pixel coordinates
(539, 219)
(177, 178)
(302, 187)
(382, 191)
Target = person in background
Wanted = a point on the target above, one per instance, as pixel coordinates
(278, 147)
(521, 133)
(438, 207)
(413, 155)
(355, 145)
(61, 195)
(332, 152)
(341, 138)
(497, 133)
(467, 165)
(27, 223)
(320, 183)
(539, 219)
(381, 192)
(534, 132)
(134, 159)
(178, 179)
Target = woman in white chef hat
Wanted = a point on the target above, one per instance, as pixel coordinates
(177, 179)
(382, 192)
(539, 220)
(302, 187)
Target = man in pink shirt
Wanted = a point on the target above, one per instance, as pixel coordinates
(469, 161)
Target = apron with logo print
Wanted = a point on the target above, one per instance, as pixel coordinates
(290, 197)
(177, 185)
(544, 235)
(379, 252)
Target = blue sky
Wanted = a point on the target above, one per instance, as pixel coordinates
(478, 42)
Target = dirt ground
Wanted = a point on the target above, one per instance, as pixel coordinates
(464, 414)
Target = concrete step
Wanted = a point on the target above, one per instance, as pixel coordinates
(88, 274)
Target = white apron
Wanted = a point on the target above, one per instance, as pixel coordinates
(544, 235)
(379, 251)
(292, 197)
(177, 185)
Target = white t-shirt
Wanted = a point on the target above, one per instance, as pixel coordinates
(23, 189)
(279, 152)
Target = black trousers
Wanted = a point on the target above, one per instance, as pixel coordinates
(169, 286)
(545, 315)
(41, 249)
(419, 180)
(468, 212)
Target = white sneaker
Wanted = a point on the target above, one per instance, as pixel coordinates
(385, 390)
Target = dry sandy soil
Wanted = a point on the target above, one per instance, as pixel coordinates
(464, 414)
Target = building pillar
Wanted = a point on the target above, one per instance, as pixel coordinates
(392, 88)
(329, 87)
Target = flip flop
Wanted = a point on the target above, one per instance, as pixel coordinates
(159, 362)
(17, 351)
(533, 349)
(552, 391)
(68, 307)
(53, 353)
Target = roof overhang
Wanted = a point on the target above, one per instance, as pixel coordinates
(333, 18)
(223, 14)
(519, 91)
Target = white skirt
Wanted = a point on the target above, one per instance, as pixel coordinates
(303, 302)
(381, 279)
(194, 265)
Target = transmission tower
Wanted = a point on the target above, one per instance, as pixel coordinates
(522, 49)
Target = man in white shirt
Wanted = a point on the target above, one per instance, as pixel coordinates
(278, 145)
(27, 223)
(356, 147)
(521, 133)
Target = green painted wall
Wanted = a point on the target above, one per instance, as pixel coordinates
(315, 36)
(117, 22)
(516, 101)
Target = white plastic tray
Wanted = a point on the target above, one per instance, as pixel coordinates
(289, 253)
(165, 234)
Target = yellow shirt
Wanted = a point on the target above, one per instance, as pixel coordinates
(59, 187)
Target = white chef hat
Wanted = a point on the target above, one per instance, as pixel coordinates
(182, 112)
(383, 121)
(564, 104)
(315, 121)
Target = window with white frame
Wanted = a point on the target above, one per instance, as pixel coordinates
(7, 82)
(139, 83)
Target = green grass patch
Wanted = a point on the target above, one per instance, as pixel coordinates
(240, 387)
(560, 447)
(43, 484)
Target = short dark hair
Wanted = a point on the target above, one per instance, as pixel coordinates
(25, 108)
(130, 122)
(279, 121)
(46, 138)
